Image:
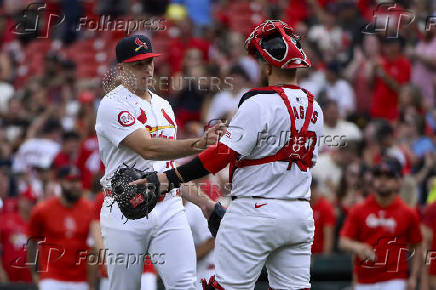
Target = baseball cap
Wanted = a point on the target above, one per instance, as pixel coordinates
(69, 173)
(390, 167)
(133, 48)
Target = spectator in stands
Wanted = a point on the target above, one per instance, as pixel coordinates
(325, 221)
(6, 147)
(359, 70)
(180, 44)
(330, 165)
(388, 146)
(62, 223)
(238, 56)
(391, 70)
(409, 192)
(410, 103)
(15, 121)
(225, 103)
(67, 156)
(350, 188)
(13, 239)
(336, 128)
(329, 38)
(339, 90)
(190, 98)
(378, 230)
(423, 57)
(422, 144)
(36, 154)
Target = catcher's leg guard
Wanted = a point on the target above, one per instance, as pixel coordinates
(212, 285)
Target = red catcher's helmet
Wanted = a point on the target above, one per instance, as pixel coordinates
(277, 43)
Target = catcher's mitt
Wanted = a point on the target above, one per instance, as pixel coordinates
(135, 201)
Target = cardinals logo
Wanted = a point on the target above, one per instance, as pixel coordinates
(140, 44)
(142, 118)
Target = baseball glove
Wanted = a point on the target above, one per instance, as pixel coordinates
(135, 201)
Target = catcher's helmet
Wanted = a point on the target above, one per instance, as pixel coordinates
(277, 43)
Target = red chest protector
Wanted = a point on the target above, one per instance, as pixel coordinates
(296, 150)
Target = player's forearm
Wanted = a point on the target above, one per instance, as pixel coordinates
(204, 248)
(166, 149)
(211, 160)
(329, 237)
(416, 261)
(348, 245)
(92, 271)
(98, 239)
(192, 193)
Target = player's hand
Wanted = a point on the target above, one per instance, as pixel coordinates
(191, 192)
(211, 136)
(164, 183)
(365, 252)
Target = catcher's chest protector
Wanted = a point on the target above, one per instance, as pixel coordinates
(299, 148)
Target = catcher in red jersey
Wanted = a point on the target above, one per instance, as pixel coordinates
(271, 146)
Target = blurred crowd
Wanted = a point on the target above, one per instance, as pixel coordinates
(377, 94)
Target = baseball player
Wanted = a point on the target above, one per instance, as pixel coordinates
(271, 146)
(381, 232)
(61, 225)
(134, 127)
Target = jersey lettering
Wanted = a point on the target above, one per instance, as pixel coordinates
(295, 113)
(314, 117)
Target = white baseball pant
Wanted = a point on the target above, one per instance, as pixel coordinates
(165, 236)
(258, 231)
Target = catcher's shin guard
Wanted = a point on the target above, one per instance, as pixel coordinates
(212, 285)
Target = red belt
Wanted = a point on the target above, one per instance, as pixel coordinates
(108, 192)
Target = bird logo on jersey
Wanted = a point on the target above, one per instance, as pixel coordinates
(140, 44)
(142, 117)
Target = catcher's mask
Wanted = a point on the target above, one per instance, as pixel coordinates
(276, 42)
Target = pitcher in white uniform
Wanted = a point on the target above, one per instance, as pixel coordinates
(137, 127)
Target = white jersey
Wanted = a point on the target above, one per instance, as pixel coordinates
(122, 112)
(260, 128)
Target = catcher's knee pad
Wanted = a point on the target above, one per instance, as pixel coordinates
(212, 285)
